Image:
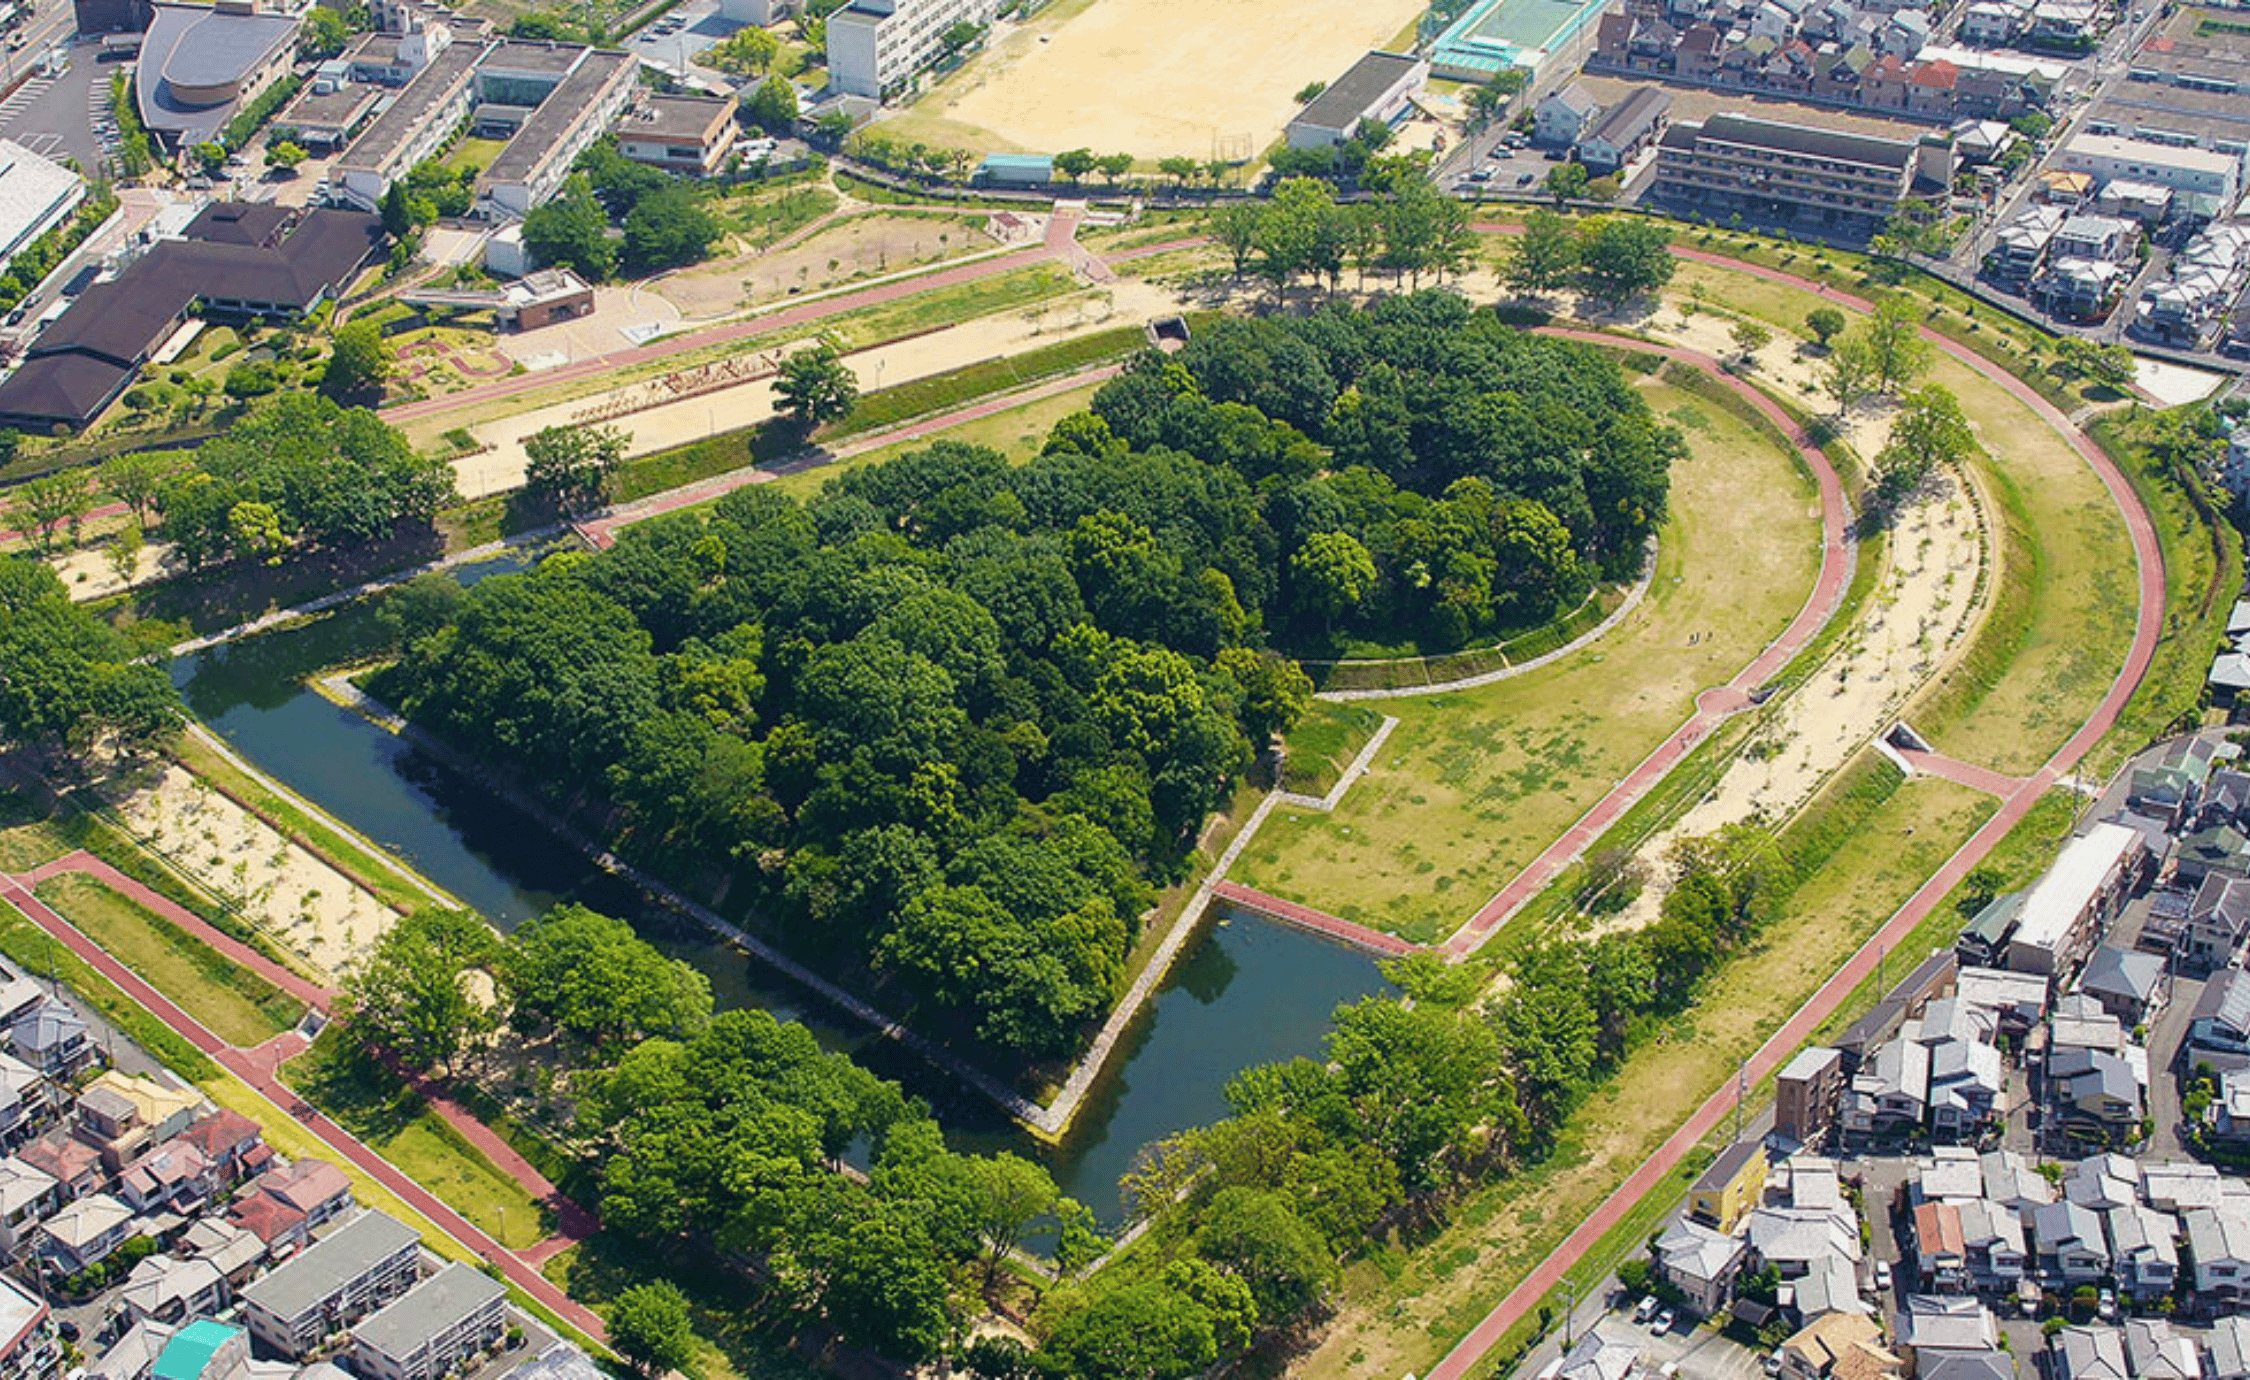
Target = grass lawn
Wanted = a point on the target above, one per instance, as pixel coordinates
(1324, 742)
(1472, 785)
(236, 1005)
(367, 1101)
(1016, 433)
(1405, 1306)
(473, 154)
(32, 950)
(28, 838)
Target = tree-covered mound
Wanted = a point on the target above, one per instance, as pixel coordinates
(950, 719)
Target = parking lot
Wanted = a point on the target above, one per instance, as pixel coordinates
(1514, 167)
(673, 42)
(65, 115)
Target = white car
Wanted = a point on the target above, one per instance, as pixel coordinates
(1645, 1309)
(1883, 1274)
(1663, 1323)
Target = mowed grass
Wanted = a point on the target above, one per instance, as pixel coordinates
(1404, 1308)
(1324, 742)
(1016, 433)
(236, 1005)
(1472, 785)
(371, 1104)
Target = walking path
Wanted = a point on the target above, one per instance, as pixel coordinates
(1712, 706)
(1317, 921)
(574, 1223)
(1832, 994)
(1961, 773)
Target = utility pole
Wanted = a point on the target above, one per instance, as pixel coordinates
(1741, 1094)
(1570, 1310)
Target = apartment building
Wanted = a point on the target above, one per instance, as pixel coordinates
(874, 46)
(572, 94)
(682, 134)
(1808, 1093)
(415, 125)
(1735, 163)
(444, 1320)
(362, 1265)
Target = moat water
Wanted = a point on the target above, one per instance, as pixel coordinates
(1246, 992)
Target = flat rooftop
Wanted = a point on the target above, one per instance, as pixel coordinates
(325, 1266)
(534, 57)
(337, 109)
(2109, 146)
(1348, 97)
(396, 127)
(2087, 863)
(543, 133)
(675, 117)
(2149, 107)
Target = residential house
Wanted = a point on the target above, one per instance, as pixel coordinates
(2011, 1182)
(2221, 1023)
(1968, 1088)
(2218, 921)
(2089, 1353)
(1730, 1187)
(28, 1346)
(167, 1289)
(2219, 1247)
(2097, 1095)
(2071, 1247)
(355, 1269)
(1992, 1239)
(2080, 1023)
(2018, 1001)
(232, 1144)
(2102, 1182)
(2108, 239)
(2020, 246)
(1598, 1356)
(52, 1039)
(313, 1187)
(1948, 1174)
(27, 1195)
(2129, 984)
(174, 1177)
(1699, 1262)
(1890, 1095)
(2142, 1249)
(2226, 1348)
(1839, 1346)
(2218, 848)
(1941, 1253)
(2177, 1185)
(165, 1108)
(1933, 1324)
(1567, 112)
(235, 1253)
(27, 1101)
(2227, 1119)
(1623, 130)
(280, 1228)
(2171, 786)
(75, 1166)
(2081, 290)
(84, 1233)
(1808, 1095)
(2157, 1352)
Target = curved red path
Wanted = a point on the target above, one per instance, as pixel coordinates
(2150, 559)
(259, 1068)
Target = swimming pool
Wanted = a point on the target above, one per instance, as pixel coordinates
(1493, 34)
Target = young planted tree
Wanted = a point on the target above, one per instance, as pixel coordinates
(1750, 337)
(42, 505)
(1825, 323)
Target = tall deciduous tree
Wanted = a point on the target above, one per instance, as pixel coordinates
(68, 681)
(357, 362)
(1544, 257)
(411, 997)
(1621, 257)
(816, 386)
(652, 1328)
(570, 468)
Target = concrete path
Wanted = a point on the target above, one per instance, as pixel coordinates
(1525, 1297)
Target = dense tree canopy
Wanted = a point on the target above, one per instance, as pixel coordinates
(67, 679)
(950, 718)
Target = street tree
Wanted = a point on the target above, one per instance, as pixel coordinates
(1076, 163)
(652, 1328)
(1180, 168)
(1566, 181)
(816, 386)
(1113, 166)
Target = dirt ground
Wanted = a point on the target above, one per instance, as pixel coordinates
(296, 898)
(1205, 78)
(1918, 614)
(693, 419)
(854, 247)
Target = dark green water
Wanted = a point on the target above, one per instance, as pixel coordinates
(1245, 993)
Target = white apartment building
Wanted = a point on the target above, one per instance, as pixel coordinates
(2202, 173)
(875, 45)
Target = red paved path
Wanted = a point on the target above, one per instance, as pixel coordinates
(1527, 1294)
(1319, 922)
(257, 1070)
(1712, 706)
(574, 1223)
(1961, 773)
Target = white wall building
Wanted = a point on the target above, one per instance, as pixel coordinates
(875, 45)
(36, 195)
(2191, 172)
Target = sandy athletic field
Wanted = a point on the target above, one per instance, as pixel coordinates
(1152, 78)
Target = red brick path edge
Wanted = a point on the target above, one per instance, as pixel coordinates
(2149, 617)
(260, 1069)
(1319, 922)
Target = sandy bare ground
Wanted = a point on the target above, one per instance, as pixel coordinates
(318, 912)
(850, 248)
(1205, 78)
(1922, 608)
(694, 419)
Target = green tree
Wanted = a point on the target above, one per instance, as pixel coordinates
(357, 361)
(1113, 166)
(1544, 257)
(324, 34)
(1897, 355)
(1006, 1194)
(1750, 337)
(1333, 572)
(255, 533)
(38, 507)
(1825, 323)
(71, 681)
(592, 978)
(651, 1325)
(1234, 224)
(571, 231)
(1567, 182)
(570, 468)
(1848, 374)
(1076, 163)
(1621, 257)
(1167, 1328)
(1256, 1236)
(410, 995)
(667, 228)
(959, 36)
(1929, 432)
(1180, 168)
(285, 154)
(124, 553)
(773, 106)
(747, 52)
(816, 386)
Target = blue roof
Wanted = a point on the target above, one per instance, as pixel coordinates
(1021, 162)
(189, 1352)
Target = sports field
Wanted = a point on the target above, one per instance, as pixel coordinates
(1204, 78)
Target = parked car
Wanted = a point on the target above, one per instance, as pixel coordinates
(2108, 1303)
(1663, 1323)
(1883, 1275)
(1527, 179)
(1645, 1309)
